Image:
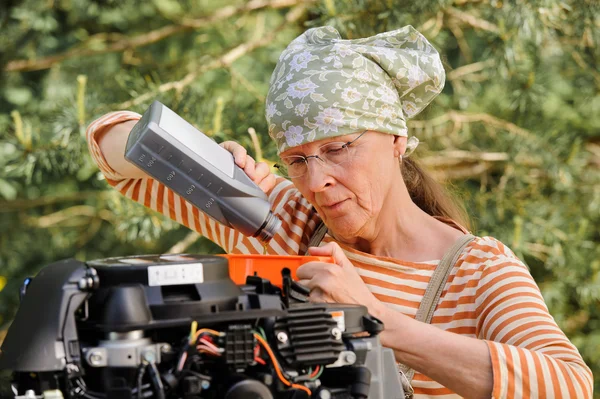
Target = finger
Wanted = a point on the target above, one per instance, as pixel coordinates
(308, 270)
(262, 170)
(239, 153)
(317, 296)
(304, 283)
(250, 168)
(267, 184)
(325, 250)
(330, 249)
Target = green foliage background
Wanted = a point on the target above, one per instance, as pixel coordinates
(516, 129)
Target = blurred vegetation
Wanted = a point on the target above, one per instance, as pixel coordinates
(516, 129)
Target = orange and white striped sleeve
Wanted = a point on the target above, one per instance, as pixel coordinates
(297, 215)
(531, 356)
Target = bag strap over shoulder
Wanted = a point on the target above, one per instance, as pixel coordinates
(436, 286)
(318, 235)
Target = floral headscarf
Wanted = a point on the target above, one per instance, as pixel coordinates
(324, 86)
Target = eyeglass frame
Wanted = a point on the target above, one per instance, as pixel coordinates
(346, 145)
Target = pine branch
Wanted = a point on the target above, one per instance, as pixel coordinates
(184, 244)
(256, 143)
(456, 157)
(472, 20)
(461, 118)
(22, 204)
(460, 39)
(147, 38)
(223, 62)
(66, 217)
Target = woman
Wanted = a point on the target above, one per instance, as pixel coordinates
(336, 110)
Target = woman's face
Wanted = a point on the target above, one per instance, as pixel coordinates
(349, 197)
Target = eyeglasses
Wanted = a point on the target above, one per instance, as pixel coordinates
(334, 153)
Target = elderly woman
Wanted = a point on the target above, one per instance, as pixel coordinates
(337, 112)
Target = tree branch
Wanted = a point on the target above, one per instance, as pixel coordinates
(464, 70)
(22, 204)
(146, 38)
(471, 20)
(459, 118)
(184, 244)
(223, 62)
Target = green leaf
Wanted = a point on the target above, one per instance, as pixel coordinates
(169, 8)
(18, 95)
(7, 190)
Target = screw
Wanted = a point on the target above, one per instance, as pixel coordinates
(282, 337)
(336, 332)
(324, 394)
(204, 384)
(350, 357)
(95, 358)
(83, 284)
(165, 348)
(148, 356)
(267, 379)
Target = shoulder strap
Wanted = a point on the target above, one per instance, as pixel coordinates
(318, 235)
(436, 286)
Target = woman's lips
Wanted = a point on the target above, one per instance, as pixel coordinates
(335, 206)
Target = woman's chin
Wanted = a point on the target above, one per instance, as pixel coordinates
(343, 230)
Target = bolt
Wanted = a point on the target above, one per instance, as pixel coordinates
(165, 348)
(83, 284)
(350, 357)
(324, 394)
(336, 332)
(205, 384)
(267, 379)
(95, 358)
(282, 337)
(149, 356)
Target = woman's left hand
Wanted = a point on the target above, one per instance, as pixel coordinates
(334, 283)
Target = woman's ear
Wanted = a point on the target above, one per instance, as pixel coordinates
(399, 146)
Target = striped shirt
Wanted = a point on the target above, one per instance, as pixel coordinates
(490, 294)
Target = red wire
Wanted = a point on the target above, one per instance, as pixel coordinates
(314, 373)
(257, 358)
(261, 361)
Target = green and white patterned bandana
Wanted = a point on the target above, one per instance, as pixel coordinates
(324, 86)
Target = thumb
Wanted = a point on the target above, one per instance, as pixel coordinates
(330, 249)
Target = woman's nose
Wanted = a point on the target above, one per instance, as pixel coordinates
(318, 174)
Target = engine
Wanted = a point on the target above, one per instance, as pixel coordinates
(177, 326)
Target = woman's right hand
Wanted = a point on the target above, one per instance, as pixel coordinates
(258, 172)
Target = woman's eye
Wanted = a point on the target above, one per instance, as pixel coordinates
(334, 151)
(296, 162)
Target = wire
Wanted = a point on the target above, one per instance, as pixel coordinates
(262, 332)
(197, 374)
(159, 390)
(193, 329)
(210, 344)
(317, 373)
(260, 360)
(257, 357)
(206, 330)
(203, 348)
(276, 365)
(182, 361)
(140, 377)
